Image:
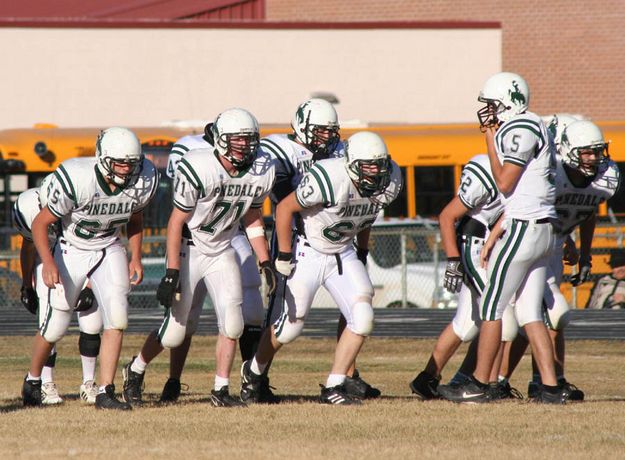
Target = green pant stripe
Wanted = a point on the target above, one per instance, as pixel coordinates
(475, 277)
(163, 328)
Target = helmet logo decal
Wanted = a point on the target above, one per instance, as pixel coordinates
(516, 96)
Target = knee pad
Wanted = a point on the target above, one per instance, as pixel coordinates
(559, 315)
(54, 326)
(286, 331)
(509, 325)
(117, 314)
(466, 332)
(232, 326)
(362, 319)
(171, 334)
(51, 361)
(89, 345)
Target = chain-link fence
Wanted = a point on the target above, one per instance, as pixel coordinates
(406, 265)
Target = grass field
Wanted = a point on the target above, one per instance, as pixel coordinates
(395, 426)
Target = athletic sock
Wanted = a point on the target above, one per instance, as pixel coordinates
(47, 374)
(221, 382)
(256, 367)
(335, 380)
(88, 368)
(138, 365)
(30, 377)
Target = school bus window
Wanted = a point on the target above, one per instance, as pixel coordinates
(617, 202)
(399, 207)
(434, 187)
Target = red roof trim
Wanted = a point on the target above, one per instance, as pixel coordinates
(197, 24)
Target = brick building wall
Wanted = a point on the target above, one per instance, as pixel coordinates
(571, 52)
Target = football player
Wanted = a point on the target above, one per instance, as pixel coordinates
(24, 211)
(475, 208)
(93, 198)
(338, 200)
(522, 159)
(214, 189)
(585, 178)
(253, 311)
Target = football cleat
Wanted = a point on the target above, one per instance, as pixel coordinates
(533, 389)
(171, 391)
(503, 390)
(108, 400)
(358, 388)
(222, 398)
(88, 392)
(133, 385)
(50, 394)
(255, 388)
(337, 396)
(425, 387)
(560, 397)
(575, 393)
(470, 392)
(31, 392)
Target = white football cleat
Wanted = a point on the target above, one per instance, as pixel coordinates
(88, 391)
(50, 394)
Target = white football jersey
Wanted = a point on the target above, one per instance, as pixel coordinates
(182, 147)
(334, 211)
(24, 211)
(575, 204)
(292, 161)
(92, 215)
(523, 141)
(478, 191)
(216, 200)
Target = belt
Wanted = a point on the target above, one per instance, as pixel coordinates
(189, 241)
(301, 239)
(544, 220)
(471, 227)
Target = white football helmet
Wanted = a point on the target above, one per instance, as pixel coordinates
(584, 137)
(557, 123)
(368, 163)
(118, 146)
(505, 94)
(236, 136)
(316, 125)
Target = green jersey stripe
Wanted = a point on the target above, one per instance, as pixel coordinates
(69, 181)
(514, 161)
(488, 184)
(480, 171)
(190, 173)
(64, 186)
(464, 202)
(279, 154)
(315, 174)
(329, 182)
(521, 124)
(183, 208)
(180, 147)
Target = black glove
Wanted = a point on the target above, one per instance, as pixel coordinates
(267, 270)
(454, 274)
(29, 299)
(582, 274)
(362, 255)
(168, 287)
(85, 300)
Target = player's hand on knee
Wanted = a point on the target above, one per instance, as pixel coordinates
(284, 264)
(50, 274)
(85, 300)
(269, 273)
(168, 287)
(29, 299)
(582, 274)
(454, 274)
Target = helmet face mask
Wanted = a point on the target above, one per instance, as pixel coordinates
(236, 137)
(315, 124)
(368, 163)
(505, 94)
(582, 147)
(119, 155)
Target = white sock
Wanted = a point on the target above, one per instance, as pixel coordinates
(88, 368)
(334, 380)
(221, 382)
(47, 374)
(256, 367)
(102, 389)
(30, 377)
(502, 379)
(139, 365)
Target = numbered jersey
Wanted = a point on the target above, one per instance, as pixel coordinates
(182, 147)
(334, 211)
(478, 191)
(524, 141)
(216, 200)
(575, 204)
(92, 214)
(292, 161)
(26, 208)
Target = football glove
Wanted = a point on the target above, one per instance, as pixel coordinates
(168, 287)
(454, 274)
(582, 274)
(269, 273)
(362, 255)
(284, 265)
(29, 299)
(85, 300)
